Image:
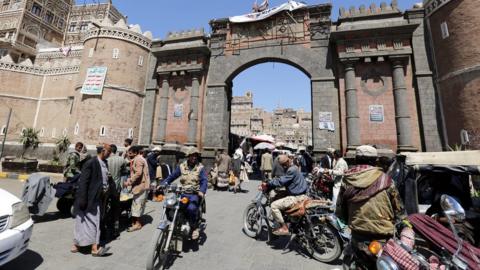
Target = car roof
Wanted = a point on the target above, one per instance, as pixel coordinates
(452, 158)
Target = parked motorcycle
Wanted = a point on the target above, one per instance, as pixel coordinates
(316, 230)
(174, 229)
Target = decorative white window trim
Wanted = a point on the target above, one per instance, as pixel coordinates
(444, 29)
(140, 61)
(103, 131)
(42, 132)
(54, 132)
(116, 53)
(77, 129)
(90, 52)
(3, 130)
(65, 132)
(130, 133)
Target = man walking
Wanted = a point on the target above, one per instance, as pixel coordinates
(139, 181)
(92, 186)
(340, 166)
(266, 165)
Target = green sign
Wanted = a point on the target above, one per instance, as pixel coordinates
(94, 81)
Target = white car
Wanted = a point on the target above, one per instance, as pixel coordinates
(15, 227)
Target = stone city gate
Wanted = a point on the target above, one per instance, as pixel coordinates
(197, 73)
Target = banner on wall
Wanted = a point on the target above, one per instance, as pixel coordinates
(93, 84)
(178, 110)
(258, 16)
(376, 113)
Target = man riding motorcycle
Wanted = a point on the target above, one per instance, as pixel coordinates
(296, 187)
(192, 175)
(369, 203)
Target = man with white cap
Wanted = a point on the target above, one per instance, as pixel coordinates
(369, 202)
(192, 175)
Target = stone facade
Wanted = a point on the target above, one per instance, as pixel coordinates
(454, 28)
(82, 15)
(285, 125)
(370, 75)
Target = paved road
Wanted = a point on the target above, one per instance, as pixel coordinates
(225, 246)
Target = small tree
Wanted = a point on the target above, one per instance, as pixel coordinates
(29, 139)
(62, 146)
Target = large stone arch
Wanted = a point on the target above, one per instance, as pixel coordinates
(312, 61)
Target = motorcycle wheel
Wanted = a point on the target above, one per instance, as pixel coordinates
(328, 246)
(156, 251)
(252, 225)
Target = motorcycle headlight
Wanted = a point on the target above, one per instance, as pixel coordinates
(386, 263)
(20, 214)
(171, 201)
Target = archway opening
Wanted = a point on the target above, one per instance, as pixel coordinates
(274, 99)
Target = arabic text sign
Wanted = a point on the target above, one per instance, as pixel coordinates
(376, 113)
(94, 81)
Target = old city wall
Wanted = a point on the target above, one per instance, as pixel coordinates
(457, 59)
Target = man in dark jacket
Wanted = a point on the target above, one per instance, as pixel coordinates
(296, 186)
(92, 186)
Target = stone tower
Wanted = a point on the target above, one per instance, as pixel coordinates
(454, 28)
(115, 113)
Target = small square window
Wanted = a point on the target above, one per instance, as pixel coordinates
(42, 132)
(130, 133)
(116, 53)
(54, 132)
(65, 132)
(90, 52)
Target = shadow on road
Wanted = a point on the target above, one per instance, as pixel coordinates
(27, 261)
(48, 217)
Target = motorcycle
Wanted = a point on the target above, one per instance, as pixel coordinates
(174, 229)
(316, 230)
(450, 260)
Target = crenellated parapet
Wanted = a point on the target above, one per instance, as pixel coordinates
(132, 33)
(373, 10)
(48, 69)
(187, 34)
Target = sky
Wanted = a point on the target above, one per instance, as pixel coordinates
(272, 84)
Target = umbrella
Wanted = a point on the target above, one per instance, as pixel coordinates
(263, 138)
(264, 145)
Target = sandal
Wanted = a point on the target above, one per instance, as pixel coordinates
(100, 252)
(74, 249)
(134, 228)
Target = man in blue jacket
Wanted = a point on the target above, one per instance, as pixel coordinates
(192, 175)
(296, 186)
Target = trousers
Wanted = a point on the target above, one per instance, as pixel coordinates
(192, 208)
(283, 204)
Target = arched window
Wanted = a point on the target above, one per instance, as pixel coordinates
(130, 133)
(116, 53)
(77, 129)
(140, 60)
(4, 130)
(54, 132)
(103, 131)
(65, 132)
(42, 132)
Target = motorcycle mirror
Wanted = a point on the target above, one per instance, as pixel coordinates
(452, 208)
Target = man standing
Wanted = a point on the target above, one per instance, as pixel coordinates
(266, 165)
(139, 182)
(92, 186)
(369, 202)
(72, 166)
(116, 166)
(152, 161)
(192, 175)
(296, 187)
(127, 144)
(340, 166)
(223, 162)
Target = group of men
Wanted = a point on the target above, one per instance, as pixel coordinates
(112, 179)
(365, 197)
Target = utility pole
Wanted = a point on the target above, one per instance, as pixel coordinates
(6, 132)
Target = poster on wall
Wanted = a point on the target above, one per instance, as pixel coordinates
(93, 84)
(330, 126)
(376, 113)
(325, 121)
(178, 110)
